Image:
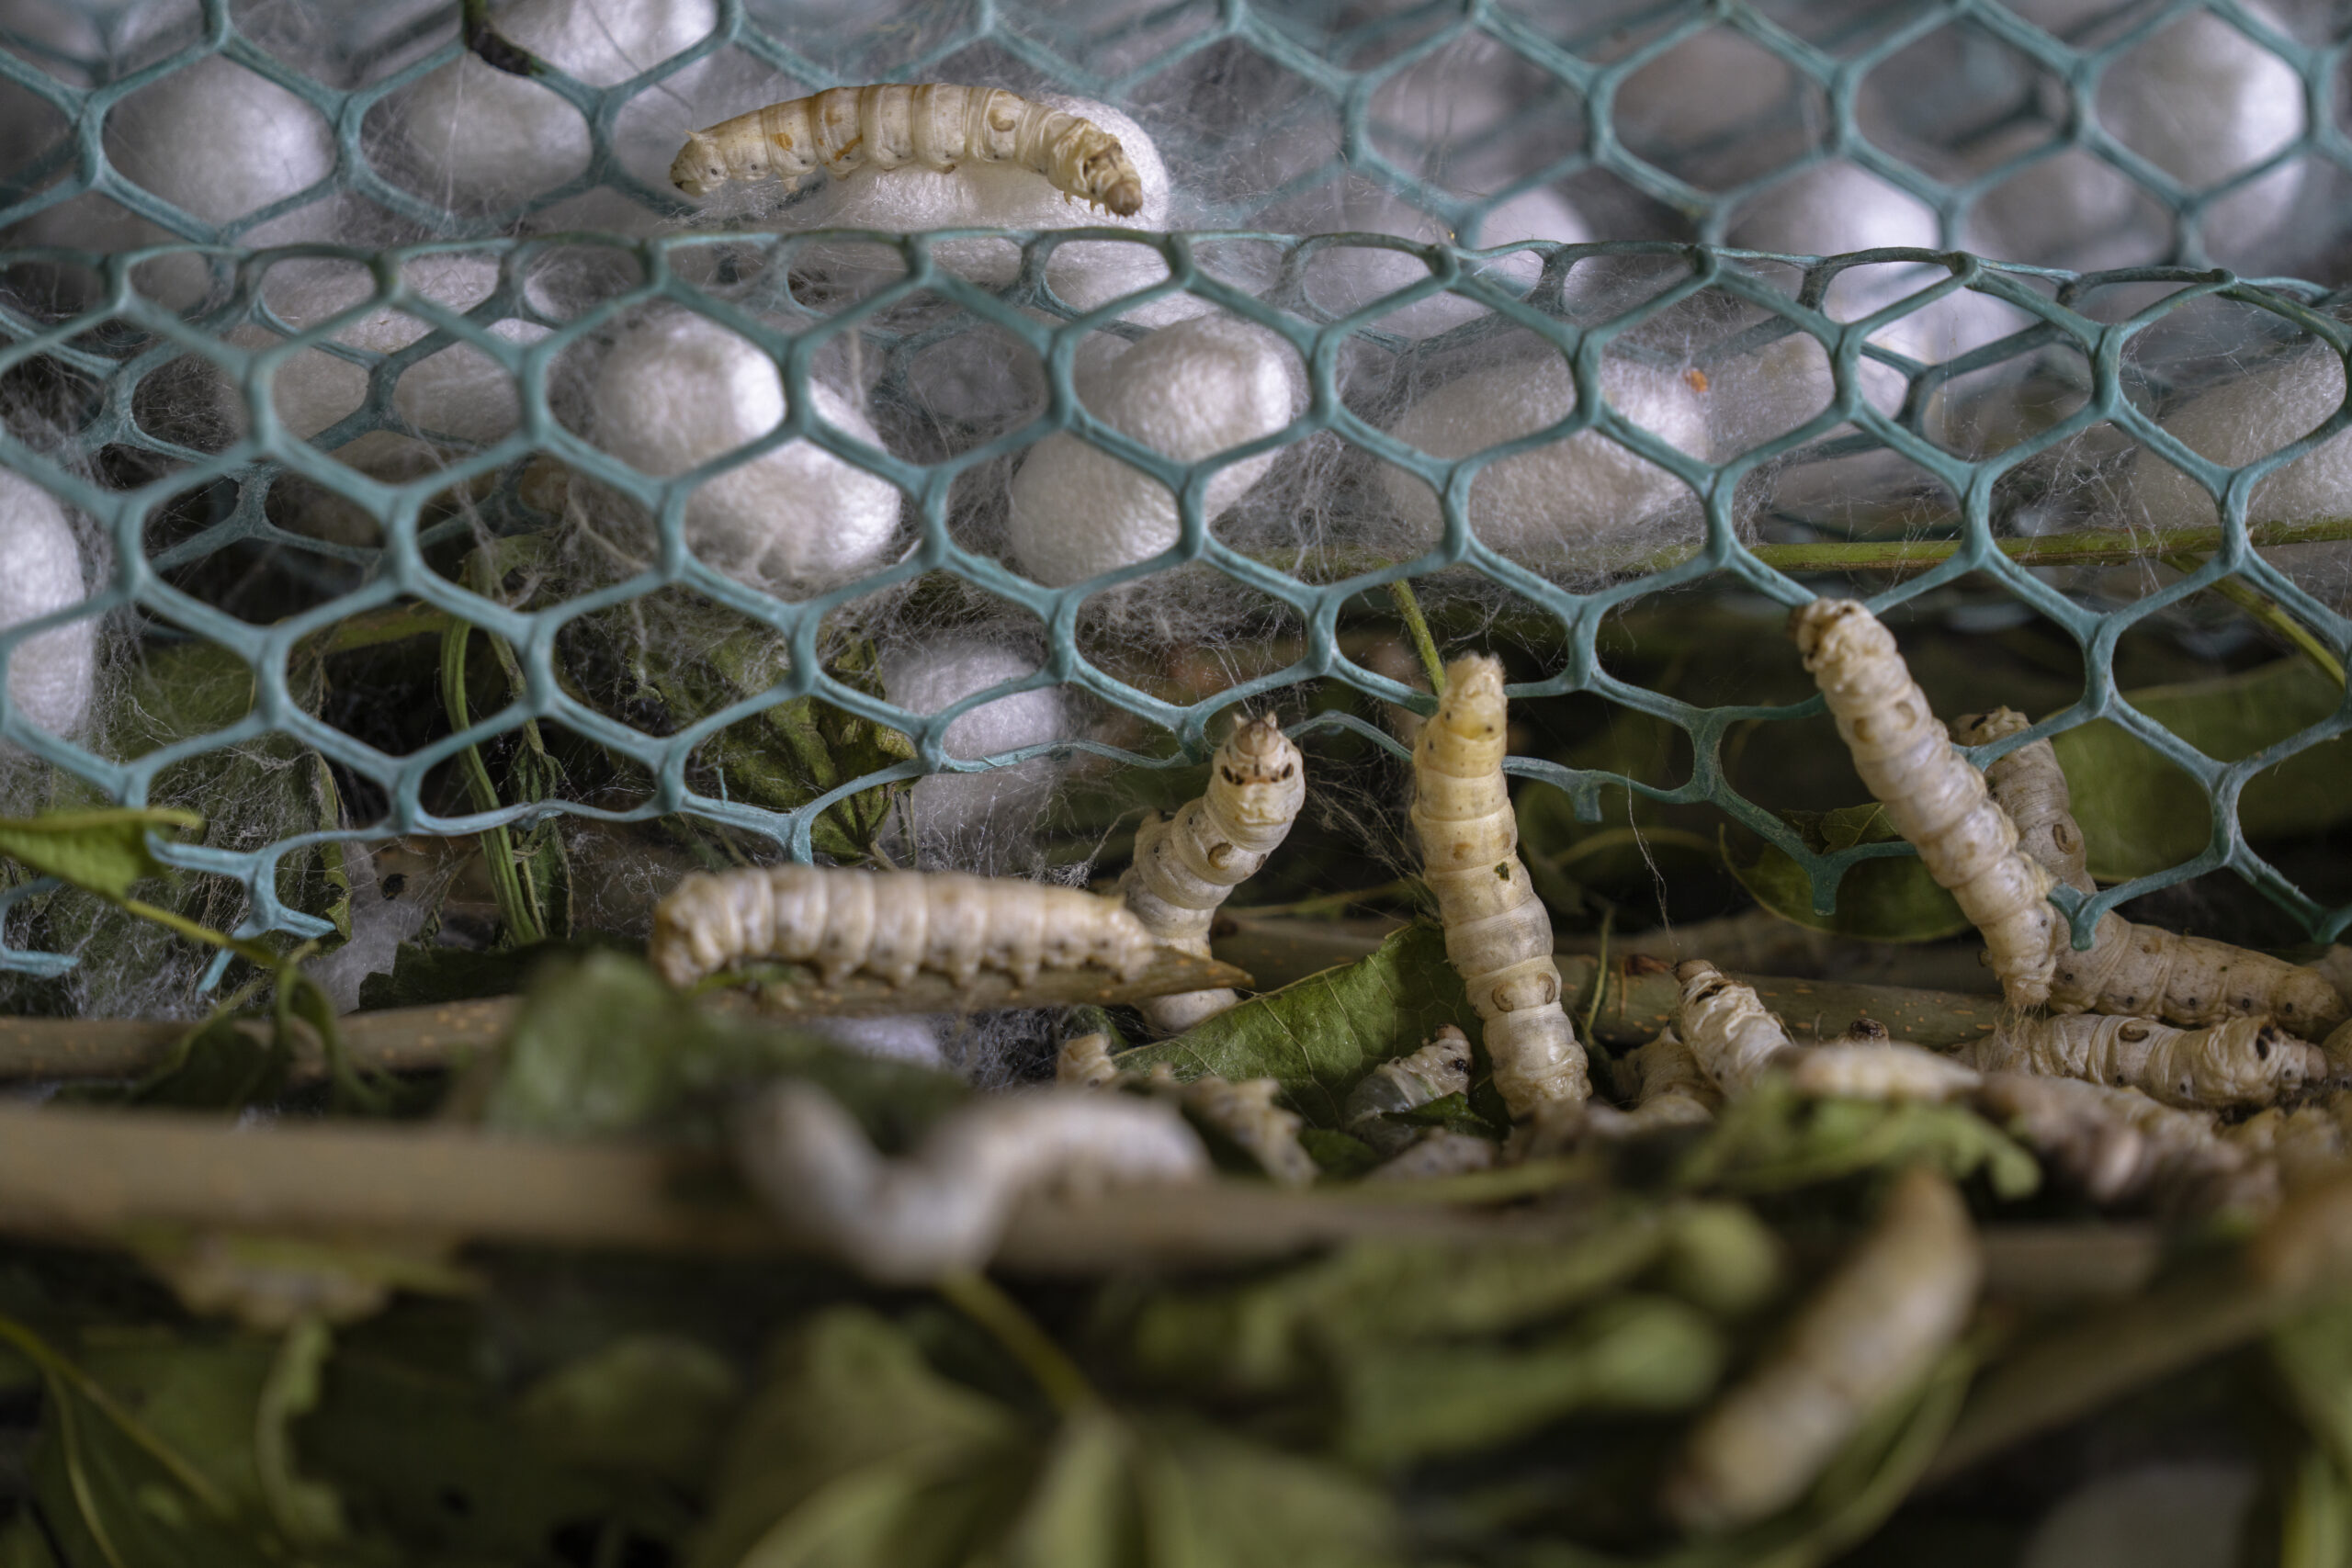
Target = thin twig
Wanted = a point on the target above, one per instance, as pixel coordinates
(491, 47)
(2271, 613)
(1409, 607)
(977, 1298)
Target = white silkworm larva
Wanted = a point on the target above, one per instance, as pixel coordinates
(1722, 1022)
(1672, 1091)
(1084, 1062)
(1433, 1153)
(2133, 969)
(892, 924)
(1496, 932)
(1185, 865)
(894, 124)
(2306, 1144)
(2120, 1147)
(1246, 1114)
(944, 1208)
(1932, 796)
(1888, 1069)
(1872, 1331)
(2247, 1061)
(1406, 1083)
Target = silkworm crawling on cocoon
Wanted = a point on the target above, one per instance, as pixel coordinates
(2120, 1147)
(678, 389)
(890, 924)
(459, 393)
(1560, 501)
(478, 135)
(1872, 1332)
(1932, 796)
(935, 677)
(1406, 1083)
(2030, 787)
(944, 1208)
(1726, 1030)
(1498, 935)
(1185, 865)
(1246, 1114)
(845, 129)
(1880, 1070)
(2247, 1061)
(1187, 391)
(2133, 969)
(1084, 1062)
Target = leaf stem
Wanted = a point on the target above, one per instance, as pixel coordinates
(2270, 612)
(515, 907)
(980, 1299)
(1417, 626)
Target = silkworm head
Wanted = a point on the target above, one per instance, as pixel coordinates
(699, 168)
(1265, 770)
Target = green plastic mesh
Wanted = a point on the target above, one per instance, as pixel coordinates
(1331, 68)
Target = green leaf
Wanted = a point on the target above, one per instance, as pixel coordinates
(307, 1513)
(2140, 814)
(1772, 1139)
(1402, 1403)
(603, 1045)
(427, 975)
(1213, 1499)
(2313, 1354)
(1319, 1036)
(1890, 900)
(1337, 1154)
(105, 851)
(652, 1403)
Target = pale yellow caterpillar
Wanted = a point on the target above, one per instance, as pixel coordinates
(1880, 1069)
(892, 924)
(1246, 1114)
(1497, 934)
(1084, 1062)
(1932, 796)
(891, 125)
(2247, 1061)
(1670, 1090)
(944, 1208)
(2140, 970)
(1724, 1025)
(1406, 1083)
(2121, 1146)
(1185, 865)
(1868, 1334)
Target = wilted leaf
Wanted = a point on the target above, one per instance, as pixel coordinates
(1889, 899)
(604, 1046)
(1337, 1154)
(1771, 1139)
(105, 851)
(1633, 1352)
(1319, 1036)
(2140, 814)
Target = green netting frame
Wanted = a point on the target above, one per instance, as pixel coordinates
(400, 572)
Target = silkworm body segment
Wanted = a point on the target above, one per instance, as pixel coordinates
(890, 924)
(1726, 1028)
(2245, 1061)
(1933, 797)
(1406, 1083)
(1185, 865)
(890, 125)
(1496, 932)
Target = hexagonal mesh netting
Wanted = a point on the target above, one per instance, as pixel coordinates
(368, 392)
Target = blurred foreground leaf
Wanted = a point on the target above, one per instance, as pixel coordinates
(1319, 1036)
(1772, 1139)
(1889, 899)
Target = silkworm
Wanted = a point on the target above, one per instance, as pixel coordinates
(1886, 1070)
(1932, 796)
(2134, 969)
(1868, 1335)
(1084, 1062)
(2120, 1146)
(1670, 1090)
(1727, 1029)
(1245, 1115)
(2246, 1061)
(1406, 1083)
(1434, 1152)
(1497, 934)
(1186, 865)
(944, 1208)
(891, 924)
(2306, 1144)
(891, 125)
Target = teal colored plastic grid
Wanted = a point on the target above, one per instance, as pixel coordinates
(398, 572)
